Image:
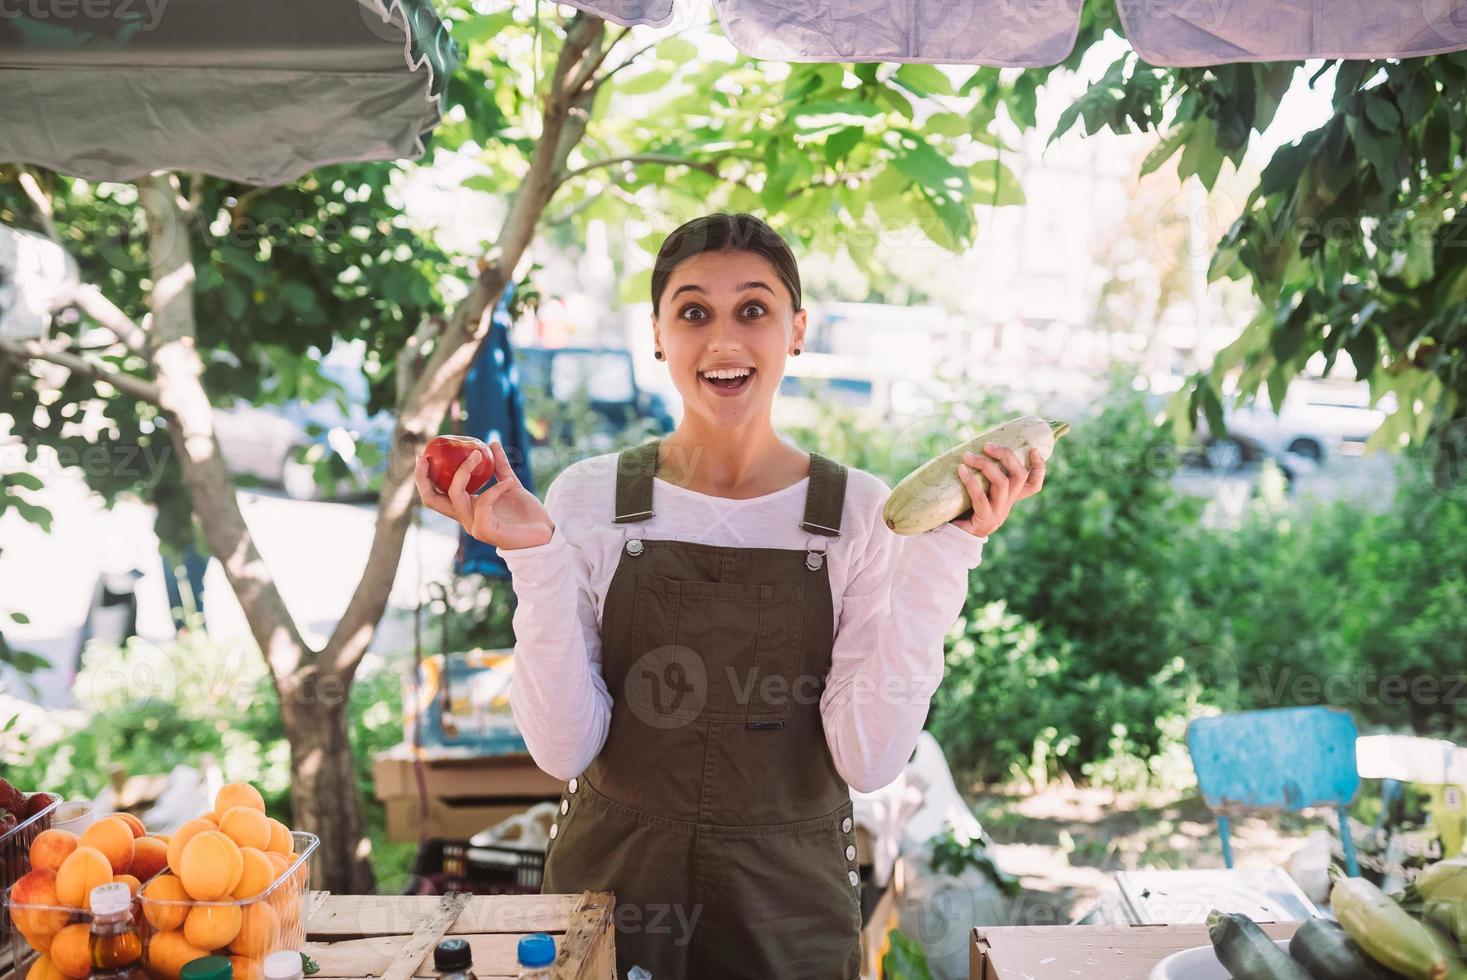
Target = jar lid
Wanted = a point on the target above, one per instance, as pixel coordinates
(111, 899)
(282, 965)
(452, 954)
(537, 949)
(208, 968)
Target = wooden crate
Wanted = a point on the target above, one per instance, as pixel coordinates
(354, 937)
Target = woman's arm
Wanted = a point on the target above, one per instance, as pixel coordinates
(558, 696)
(898, 605)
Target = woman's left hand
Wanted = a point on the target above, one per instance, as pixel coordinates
(1008, 482)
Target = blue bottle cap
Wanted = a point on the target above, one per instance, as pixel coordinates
(537, 950)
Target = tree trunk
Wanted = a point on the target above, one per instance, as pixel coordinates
(323, 783)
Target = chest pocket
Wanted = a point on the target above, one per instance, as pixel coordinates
(716, 652)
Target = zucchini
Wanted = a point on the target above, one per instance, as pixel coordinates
(1247, 951)
(1328, 953)
(1444, 876)
(1386, 931)
(933, 493)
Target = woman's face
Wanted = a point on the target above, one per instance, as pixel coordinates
(727, 312)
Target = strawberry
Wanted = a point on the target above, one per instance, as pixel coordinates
(35, 803)
(11, 798)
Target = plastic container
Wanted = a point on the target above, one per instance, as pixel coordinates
(537, 956)
(269, 922)
(15, 863)
(75, 816)
(454, 960)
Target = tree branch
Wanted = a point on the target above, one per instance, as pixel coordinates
(90, 300)
(40, 201)
(31, 350)
(666, 159)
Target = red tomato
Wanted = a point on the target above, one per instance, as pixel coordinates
(447, 453)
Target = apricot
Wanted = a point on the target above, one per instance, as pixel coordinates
(246, 968)
(168, 952)
(38, 887)
(259, 873)
(280, 840)
(182, 836)
(138, 830)
(79, 874)
(71, 951)
(51, 847)
(238, 794)
(150, 857)
(44, 969)
(131, 882)
(211, 867)
(212, 926)
(246, 827)
(114, 838)
(165, 888)
(260, 932)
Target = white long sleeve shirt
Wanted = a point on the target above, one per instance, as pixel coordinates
(895, 597)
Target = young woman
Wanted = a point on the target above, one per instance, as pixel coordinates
(717, 636)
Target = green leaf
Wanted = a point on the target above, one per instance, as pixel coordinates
(916, 158)
(947, 124)
(840, 143)
(648, 81)
(814, 117)
(677, 50)
(1201, 155)
(26, 481)
(924, 79)
(21, 618)
(994, 184)
(1383, 114)
(1166, 148)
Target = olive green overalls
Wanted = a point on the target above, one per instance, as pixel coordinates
(714, 811)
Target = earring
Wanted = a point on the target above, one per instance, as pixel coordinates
(797, 352)
(658, 355)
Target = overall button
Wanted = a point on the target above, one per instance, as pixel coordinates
(574, 785)
(814, 560)
(855, 878)
(845, 825)
(554, 829)
(634, 546)
(850, 852)
(564, 805)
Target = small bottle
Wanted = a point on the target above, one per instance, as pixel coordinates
(454, 960)
(116, 943)
(284, 965)
(208, 968)
(537, 955)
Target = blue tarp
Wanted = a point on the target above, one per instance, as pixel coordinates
(494, 409)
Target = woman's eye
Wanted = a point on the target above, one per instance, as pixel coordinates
(754, 306)
(689, 310)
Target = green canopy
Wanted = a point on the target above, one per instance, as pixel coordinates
(259, 91)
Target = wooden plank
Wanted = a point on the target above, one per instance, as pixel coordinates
(415, 951)
(494, 955)
(341, 916)
(588, 952)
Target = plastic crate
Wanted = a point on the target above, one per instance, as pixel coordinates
(15, 863)
(444, 866)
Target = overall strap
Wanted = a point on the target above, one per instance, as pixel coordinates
(826, 496)
(635, 468)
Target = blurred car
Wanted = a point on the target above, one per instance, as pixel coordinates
(1318, 420)
(556, 377)
(278, 443)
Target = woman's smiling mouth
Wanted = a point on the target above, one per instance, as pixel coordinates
(727, 381)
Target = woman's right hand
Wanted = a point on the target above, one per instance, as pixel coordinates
(506, 515)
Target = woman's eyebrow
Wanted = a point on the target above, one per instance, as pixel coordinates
(754, 284)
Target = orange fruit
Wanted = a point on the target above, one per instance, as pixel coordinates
(182, 836)
(211, 867)
(138, 830)
(131, 882)
(44, 969)
(246, 827)
(114, 838)
(71, 951)
(168, 952)
(259, 873)
(238, 794)
(51, 847)
(212, 926)
(280, 840)
(210, 817)
(150, 856)
(79, 874)
(260, 932)
(280, 861)
(165, 888)
(38, 887)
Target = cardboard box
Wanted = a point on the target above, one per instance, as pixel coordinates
(449, 819)
(461, 777)
(883, 919)
(1092, 952)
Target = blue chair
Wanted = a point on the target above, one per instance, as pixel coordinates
(1278, 759)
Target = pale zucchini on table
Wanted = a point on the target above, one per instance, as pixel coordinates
(1387, 933)
(934, 494)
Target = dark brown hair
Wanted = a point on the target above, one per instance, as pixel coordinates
(724, 231)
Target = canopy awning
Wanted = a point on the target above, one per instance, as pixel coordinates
(259, 92)
(1036, 33)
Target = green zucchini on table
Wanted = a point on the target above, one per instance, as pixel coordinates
(1248, 952)
(1385, 931)
(933, 493)
(1328, 953)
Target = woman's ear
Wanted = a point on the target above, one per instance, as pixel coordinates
(798, 340)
